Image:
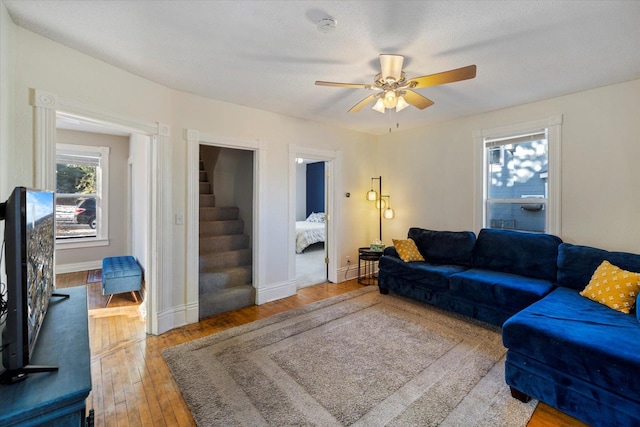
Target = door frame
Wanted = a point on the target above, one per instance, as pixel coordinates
(158, 271)
(333, 160)
(194, 139)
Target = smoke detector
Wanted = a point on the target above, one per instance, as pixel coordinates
(327, 25)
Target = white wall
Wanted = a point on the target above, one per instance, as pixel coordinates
(431, 172)
(7, 62)
(46, 65)
(233, 183)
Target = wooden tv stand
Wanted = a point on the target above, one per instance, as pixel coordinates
(55, 398)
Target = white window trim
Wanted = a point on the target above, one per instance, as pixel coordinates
(102, 191)
(553, 124)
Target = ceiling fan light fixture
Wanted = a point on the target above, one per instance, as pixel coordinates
(390, 99)
(401, 104)
(379, 106)
(391, 66)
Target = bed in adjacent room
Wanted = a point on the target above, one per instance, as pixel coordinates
(310, 231)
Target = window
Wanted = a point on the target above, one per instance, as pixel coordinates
(81, 189)
(516, 187)
(520, 177)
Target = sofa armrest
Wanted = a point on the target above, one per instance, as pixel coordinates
(391, 251)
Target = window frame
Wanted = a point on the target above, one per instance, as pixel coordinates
(553, 127)
(102, 197)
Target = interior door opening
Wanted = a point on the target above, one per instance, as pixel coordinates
(311, 225)
(111, 220)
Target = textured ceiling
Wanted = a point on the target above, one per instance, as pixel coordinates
(268, 54)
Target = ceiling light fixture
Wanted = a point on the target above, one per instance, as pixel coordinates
(393, 90)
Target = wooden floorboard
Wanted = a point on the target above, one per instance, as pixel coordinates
(132, 385)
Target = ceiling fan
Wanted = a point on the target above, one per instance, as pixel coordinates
(393, 90)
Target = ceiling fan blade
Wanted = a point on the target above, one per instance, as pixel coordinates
(450, 76)
(391, 66)
(417, 100)
(349, 85)
(360, 105)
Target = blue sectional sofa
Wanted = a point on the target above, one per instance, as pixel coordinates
(489, 278)
(563, 349)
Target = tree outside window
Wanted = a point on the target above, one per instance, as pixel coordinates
(78, 190)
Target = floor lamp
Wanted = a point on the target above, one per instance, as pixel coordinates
(384, 208)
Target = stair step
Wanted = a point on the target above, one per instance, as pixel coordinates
(205, 188)
(207, 200)
(228, 242)
(225, 278)
(219, 228)
(219, 214)
(227, 299)
(203, 176)
(219, 260)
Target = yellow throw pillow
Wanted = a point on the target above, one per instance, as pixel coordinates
(407, 250)
(613, 287)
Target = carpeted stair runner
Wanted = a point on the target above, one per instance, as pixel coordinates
(225, 257)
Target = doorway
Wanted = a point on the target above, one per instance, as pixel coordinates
(102, 201)
(311, 225)
(47, 107)
(331, 163)
(225, 270)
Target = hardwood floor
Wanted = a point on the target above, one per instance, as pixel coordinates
(132, 385)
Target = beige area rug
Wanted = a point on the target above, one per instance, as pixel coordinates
(360, 359)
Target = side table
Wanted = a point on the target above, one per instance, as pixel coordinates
(367, 257)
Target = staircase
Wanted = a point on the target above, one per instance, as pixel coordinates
(225, 256)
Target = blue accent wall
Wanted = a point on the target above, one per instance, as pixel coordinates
(315, 187)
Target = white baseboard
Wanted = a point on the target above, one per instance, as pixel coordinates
(275, 291)
(80, 266)
(172, 318)
(351, 272)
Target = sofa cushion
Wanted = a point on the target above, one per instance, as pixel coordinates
(517, 252)
(579, 337)
(576, 264)
(499, 289)
(432, 276)
(613, 287)
(407, 250)
(444, 247)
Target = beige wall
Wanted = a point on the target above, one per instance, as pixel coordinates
(118, 198)
(45, 65)
(7, 61)
(431, 172)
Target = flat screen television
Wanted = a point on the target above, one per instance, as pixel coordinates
(29, 234)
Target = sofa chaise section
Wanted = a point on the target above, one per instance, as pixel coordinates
(575, 354)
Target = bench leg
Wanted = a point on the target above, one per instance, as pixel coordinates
(135, 298)
(109, 300)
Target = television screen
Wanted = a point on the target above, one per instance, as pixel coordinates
(30, 247)
(40, 234)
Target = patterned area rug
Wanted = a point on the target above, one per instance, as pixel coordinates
(94, 276)
(356, 359)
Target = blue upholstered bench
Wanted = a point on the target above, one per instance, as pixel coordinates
(121, 274)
